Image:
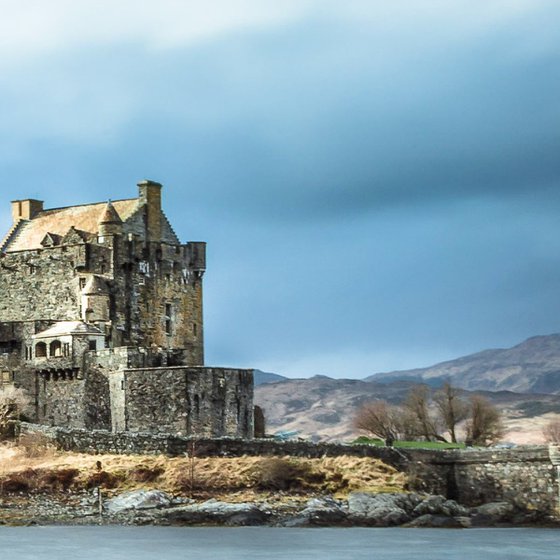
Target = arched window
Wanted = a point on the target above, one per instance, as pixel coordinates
(40, 350)
(55, 350)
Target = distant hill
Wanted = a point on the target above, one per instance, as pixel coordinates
(530, 367)
(324, 408)
(261, 377)
(523, 381)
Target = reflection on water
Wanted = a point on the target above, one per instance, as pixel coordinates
(170, 543)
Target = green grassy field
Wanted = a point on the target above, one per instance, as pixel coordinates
(410, 444)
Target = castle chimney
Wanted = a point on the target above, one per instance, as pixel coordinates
(150, 195)
(26, 209)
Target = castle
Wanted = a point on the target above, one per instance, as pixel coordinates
(101, 322)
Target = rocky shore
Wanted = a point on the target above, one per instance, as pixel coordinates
(359, 509)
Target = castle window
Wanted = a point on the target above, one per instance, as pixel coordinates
(82, 283)
(168, 318)
(196, 404)
(66, 349)
(32, 269)
(195, 329)
(55, 350)
(103, 269)
(93, 345)
(40, 350)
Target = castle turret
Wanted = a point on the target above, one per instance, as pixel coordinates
(110, 222)
(95, 301)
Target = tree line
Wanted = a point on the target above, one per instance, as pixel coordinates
(433, 416)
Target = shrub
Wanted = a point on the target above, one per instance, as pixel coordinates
(104, 479)
(60, 479)
(143, 473)
(282, 474)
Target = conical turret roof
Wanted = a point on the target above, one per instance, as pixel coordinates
(110, 215)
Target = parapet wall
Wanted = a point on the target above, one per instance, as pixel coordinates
(523, 476)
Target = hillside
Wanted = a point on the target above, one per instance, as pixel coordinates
(530, 367)
(523, 381)
(266, 377)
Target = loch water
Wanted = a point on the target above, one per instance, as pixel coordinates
(173, 543)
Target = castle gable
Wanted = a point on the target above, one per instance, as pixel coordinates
(58, 221)
(51, 239)
(74, 236)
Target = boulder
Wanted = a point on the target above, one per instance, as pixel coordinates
(438, 505)
(318, 512)
(381, 510)
(493, 513)
(138, 499)
(214, 512)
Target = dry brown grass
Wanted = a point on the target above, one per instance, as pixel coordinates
(237, 478)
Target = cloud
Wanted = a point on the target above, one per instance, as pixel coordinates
(33, 28)
(378, 182)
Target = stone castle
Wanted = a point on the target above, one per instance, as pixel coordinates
(101, 322)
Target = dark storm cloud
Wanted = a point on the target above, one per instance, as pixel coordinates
(316, 119)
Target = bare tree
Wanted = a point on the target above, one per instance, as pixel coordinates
(12, 402)
(419, 416)
(551, 431)
(484, 426)
(451, 407)
(380, 419)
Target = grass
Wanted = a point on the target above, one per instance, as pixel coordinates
(232, 478)
(364, 440)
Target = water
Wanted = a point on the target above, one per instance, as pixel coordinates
(170, 543)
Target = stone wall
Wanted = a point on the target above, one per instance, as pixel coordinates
(41, 284)
(211, 402)
(100, 441)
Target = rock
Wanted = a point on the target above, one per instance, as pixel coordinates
(438, 505)
(493, 513)
(381, 510)
(214, 512)
(318, 512)
(138, 499)
(440, 522)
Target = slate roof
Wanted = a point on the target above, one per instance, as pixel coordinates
(59, 220)
(63, 328)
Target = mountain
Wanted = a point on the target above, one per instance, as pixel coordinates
(530, 367)
(261, 377)
(324, 408)
(523, 382)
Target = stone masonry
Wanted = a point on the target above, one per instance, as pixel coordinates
(101, 322)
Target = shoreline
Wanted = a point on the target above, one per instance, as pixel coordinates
(359, 509)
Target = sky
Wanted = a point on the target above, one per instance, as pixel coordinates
(378, 182)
